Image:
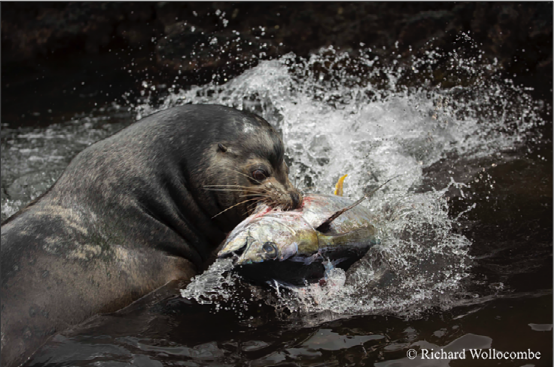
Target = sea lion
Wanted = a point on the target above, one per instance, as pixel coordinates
(131, 213)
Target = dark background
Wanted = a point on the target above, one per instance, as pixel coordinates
(81, 55)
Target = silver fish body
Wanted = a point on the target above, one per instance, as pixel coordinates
(293, 246)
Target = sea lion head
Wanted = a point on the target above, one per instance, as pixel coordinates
(247, 166)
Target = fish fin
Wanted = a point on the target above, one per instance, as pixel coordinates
(306, 260)
(324, 227)
(383, 184)
(338, 186)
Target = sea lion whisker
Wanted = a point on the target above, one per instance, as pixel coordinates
(251, 206)
(232, 206)
(241, 186)
(267, 199)
(255, 203)
(257, 195)
(246, 188)
(226, 190)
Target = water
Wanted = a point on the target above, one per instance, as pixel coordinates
(465, 223)
(34, 158)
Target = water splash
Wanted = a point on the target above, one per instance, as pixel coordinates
(212, 286)
(340, 114)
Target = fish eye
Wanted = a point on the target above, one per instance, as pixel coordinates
(259, 175)
(270, 249)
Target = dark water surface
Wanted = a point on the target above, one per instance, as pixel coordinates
(178, 333)
(501, 300)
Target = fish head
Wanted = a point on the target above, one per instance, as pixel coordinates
(277, 246)
(273, 237)
(258, 251)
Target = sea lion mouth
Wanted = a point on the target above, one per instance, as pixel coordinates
(274, 194)
(248, 197)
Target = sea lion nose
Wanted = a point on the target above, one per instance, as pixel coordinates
(296, 199)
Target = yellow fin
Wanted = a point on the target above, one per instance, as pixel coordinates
(338, 186)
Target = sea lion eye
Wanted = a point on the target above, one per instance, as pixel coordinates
(259, 175)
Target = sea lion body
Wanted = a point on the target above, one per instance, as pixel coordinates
(130, 214)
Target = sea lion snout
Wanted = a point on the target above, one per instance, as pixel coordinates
(296, 198)
(278, 195)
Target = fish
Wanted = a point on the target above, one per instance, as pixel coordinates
(300, 246)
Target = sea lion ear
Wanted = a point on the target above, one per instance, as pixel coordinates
(221, 147)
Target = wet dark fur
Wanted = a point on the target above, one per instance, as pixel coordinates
(131, 213)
